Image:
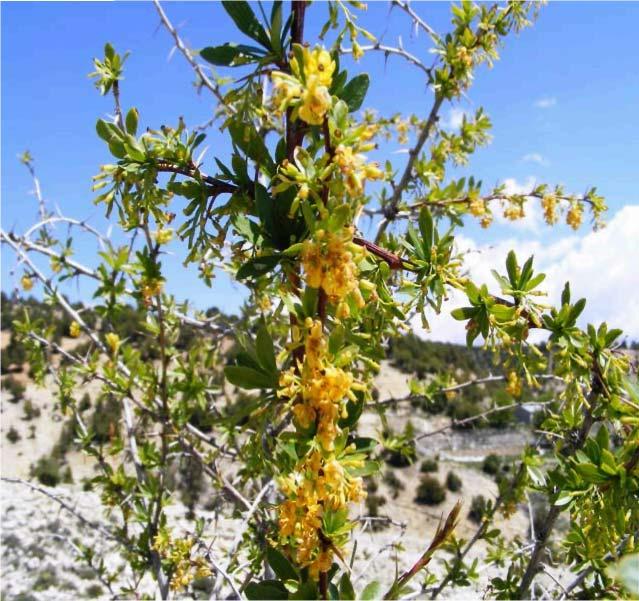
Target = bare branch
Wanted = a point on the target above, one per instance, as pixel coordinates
(188, 55)
(405, 6)
(391, 50)
(72, 510)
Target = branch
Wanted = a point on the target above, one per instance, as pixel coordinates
(546, 528)
(179, 44)
(466, 200)
(388, 50)
(93, 525)
(416, 18)
(391, 207)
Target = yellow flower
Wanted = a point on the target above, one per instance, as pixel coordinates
(304, 414)
(163, 236)
(549, 203)
(486, 220)
(514, 211)
(27, 283)
(315, 102)
(74, 329)
(151, 288)
(322, 563)
(318, 63)
(477, 207)
(514, 384)
(113, 342)
(357, 51)
(574, 216)
(286, 89)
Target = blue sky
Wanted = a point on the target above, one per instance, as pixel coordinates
(563, 101)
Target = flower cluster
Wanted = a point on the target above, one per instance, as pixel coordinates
(320, 480)
(306, 89)
(513, 385)
(574, 216)
(177, 552)
(74, 329)
(549, 205)
(355, 170)
(329, 261)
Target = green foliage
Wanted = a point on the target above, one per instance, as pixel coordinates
(430, 491)
(491, 464)
(478, 508)
(428, 465)
(453, 482)
(13, 435)
(47, 471)
(279, 215)
(15, 389)
(30, 411)
(393, 482)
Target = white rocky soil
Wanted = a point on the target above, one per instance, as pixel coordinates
(39, 536)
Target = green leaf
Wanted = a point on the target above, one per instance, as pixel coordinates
(248, 378)
(281, 565)
(267, 589)
(224, 55)
(511, 267)
(463, 313)
(346, 590)
(627, 572)
(131, 121)
(355, 90)
(371, 591)
(246, 21)
(307, 590)
(426, 228)
(257, 267)
(250, 142)
(565, 497)
(265, 350)
(102, 130)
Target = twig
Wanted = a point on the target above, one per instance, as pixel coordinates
(390, 208)
(388, 50)
(204, 79)
(405, 6)
(94, 525)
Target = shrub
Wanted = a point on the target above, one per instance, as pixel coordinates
(15, 389)
(478, 507)
(46, 579)
(453, 482)
(393, 482)
(461, 409)
(85, 402)
(30, 411)
(373, 503)
(47, 471)
(13, 435)
(430, 491)
(12, 357)
(94, 591)
(428, 465)
(491, 464)
(67, 475)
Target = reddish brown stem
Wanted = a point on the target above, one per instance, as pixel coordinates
(393, 260)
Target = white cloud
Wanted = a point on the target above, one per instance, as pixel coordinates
(454, 119)
(600, 266)
(546, 102)
(535, 157)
